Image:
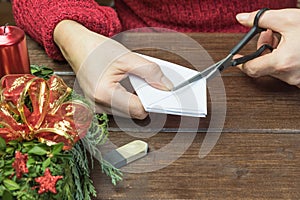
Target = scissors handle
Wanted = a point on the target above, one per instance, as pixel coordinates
(253, 31)
(227, 62)
(251, 56)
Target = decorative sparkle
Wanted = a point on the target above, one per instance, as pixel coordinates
(19, 81)
(63, 125)
(54, 85)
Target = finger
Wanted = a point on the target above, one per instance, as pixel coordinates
(99, 108)
(271, 19)
(153, 75)
(149, 71)
(124, 103)
(267, 37)
(276, 41)
(260, 66)
(127, 106)
(236, 56)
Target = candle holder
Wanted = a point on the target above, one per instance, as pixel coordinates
(13, 51)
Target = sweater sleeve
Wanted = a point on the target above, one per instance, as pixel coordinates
(38, 19)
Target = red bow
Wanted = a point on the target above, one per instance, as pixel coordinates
(50, 118)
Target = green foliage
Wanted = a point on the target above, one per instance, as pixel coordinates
(40, 157)
(41, 71)
(73, 164)
(97, 135)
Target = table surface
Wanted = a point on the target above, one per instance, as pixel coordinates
(255, 156)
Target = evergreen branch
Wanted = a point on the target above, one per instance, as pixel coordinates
(97, 135)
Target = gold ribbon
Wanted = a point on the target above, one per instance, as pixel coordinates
(31, 107)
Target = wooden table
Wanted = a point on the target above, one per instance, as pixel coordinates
(256, 156)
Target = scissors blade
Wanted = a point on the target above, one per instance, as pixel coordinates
(208, 72)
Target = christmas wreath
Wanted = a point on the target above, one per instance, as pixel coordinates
(44, 143)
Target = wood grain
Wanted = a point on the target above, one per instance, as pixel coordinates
(240, 166)
(257, 155)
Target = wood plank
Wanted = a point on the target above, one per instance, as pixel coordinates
(38, 56)
(176, 47)
(240, 166)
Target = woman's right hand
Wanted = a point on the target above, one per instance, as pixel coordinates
(284, 61)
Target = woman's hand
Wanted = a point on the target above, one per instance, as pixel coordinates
(111, 97)
(284, 61)
(90, 54)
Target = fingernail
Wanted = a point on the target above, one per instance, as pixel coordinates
(168, 84)
(242, 16)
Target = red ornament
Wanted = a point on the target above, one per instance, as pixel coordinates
(20, 164)
(47, 182)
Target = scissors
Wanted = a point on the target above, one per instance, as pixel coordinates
(213, 70)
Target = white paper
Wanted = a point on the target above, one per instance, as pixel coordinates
(188, 101)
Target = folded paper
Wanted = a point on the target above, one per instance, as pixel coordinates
(187, 101)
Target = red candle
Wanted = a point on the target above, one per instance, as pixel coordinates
(13, 51)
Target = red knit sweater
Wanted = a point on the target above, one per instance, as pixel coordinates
(39, 17)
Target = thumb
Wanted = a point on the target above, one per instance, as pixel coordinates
(149, 71)
(275, 20)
